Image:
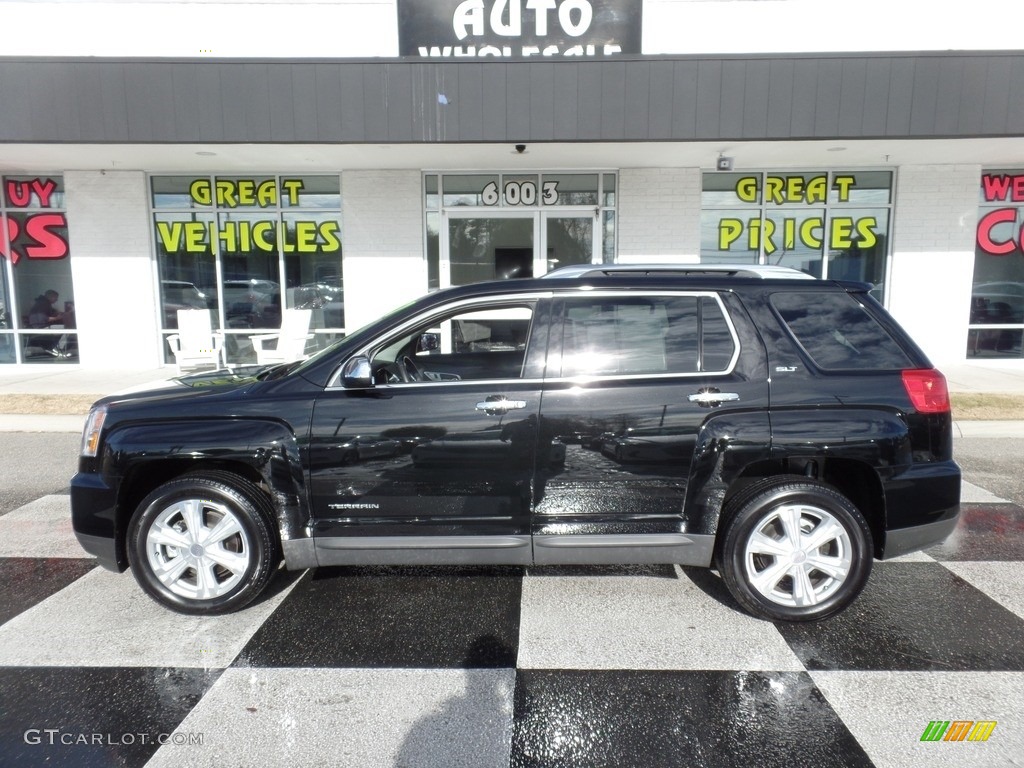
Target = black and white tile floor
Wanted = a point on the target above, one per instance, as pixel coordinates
(642, 666)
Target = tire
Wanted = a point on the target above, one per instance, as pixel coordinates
(794, 550)
(204, 543)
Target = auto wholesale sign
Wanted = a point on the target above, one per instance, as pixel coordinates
(517, 29)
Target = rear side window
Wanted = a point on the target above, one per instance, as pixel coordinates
(838, 332)
(628, 335)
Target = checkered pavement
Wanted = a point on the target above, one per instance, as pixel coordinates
(463, 666)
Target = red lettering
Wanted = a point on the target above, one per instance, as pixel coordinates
(40, 236)
(1001, 188)
(49, 240)
(44, 189)
(989, 222)
(12, 232)
(19, 193)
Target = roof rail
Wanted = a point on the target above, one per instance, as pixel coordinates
(762, 271)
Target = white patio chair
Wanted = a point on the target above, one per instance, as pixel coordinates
(196, 344)
(290, 341)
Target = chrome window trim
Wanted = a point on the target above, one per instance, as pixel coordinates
(534, 297)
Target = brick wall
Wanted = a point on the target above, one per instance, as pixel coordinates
(112, 268)
(382, 229)
(659, 214)
(932, 264)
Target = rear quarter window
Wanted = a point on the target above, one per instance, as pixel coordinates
(838, 332)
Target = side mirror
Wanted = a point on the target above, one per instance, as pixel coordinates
(357, 373)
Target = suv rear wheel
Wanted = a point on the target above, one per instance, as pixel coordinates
(203, 543)
(794, 550)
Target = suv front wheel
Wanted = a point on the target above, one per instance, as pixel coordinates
(203, 543)
(794, 550)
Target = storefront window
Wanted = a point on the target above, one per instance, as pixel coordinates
(827, 224)
(997, 298)
(246, 248)
(37, 305)
(485, 226)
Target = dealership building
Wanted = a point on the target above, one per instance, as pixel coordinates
(347, 157)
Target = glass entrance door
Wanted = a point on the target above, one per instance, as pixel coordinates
(569, 239)
(500, 246)
(492, 247)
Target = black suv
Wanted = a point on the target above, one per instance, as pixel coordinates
(785, 431)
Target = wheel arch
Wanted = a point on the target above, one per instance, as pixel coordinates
(263, 452)
(858, 481)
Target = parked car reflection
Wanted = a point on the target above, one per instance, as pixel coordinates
(181, 294)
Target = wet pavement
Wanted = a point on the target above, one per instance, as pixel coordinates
(461, 666)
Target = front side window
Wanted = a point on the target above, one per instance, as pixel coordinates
(627, 335)
(37, 302)
(466, 344)
(246, 248)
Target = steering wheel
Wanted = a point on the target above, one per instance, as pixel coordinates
(410, 370)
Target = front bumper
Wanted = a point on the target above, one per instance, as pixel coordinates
(94, 520)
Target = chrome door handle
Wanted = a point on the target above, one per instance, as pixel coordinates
(501, 405)
(710, 397)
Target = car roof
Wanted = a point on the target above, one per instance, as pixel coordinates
(762, 271)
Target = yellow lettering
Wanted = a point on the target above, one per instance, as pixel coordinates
(773, 190)
(292, 187)
(729, 231)
(246, 192)
(266, 194)
(841, 231)
(226, 194)
(754, 234)
(794, 189)
(807, 234)
(229, 237)
(769, 231)
(746, 189)
(789, 234)
(169, 235)
(260, 232)
(817, 189)
(200, 191)
(843, 184)
(329, 231)
(866, 229)
(305, 235)
(195, 237)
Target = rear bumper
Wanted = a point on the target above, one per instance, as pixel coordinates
(922, 507)
(904, 540)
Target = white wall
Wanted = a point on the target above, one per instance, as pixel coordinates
(659, 214)
(932, 266)
(369, 28)
(815, 26)
(382, 232)
(112, 268)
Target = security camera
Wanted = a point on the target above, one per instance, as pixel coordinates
(520, 148)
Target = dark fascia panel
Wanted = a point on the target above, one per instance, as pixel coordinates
(660, 98)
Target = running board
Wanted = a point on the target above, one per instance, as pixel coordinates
(423, 550)
(612, 549)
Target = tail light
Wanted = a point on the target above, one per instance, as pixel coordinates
(927, 390)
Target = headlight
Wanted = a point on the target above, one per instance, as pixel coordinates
(93, 428)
